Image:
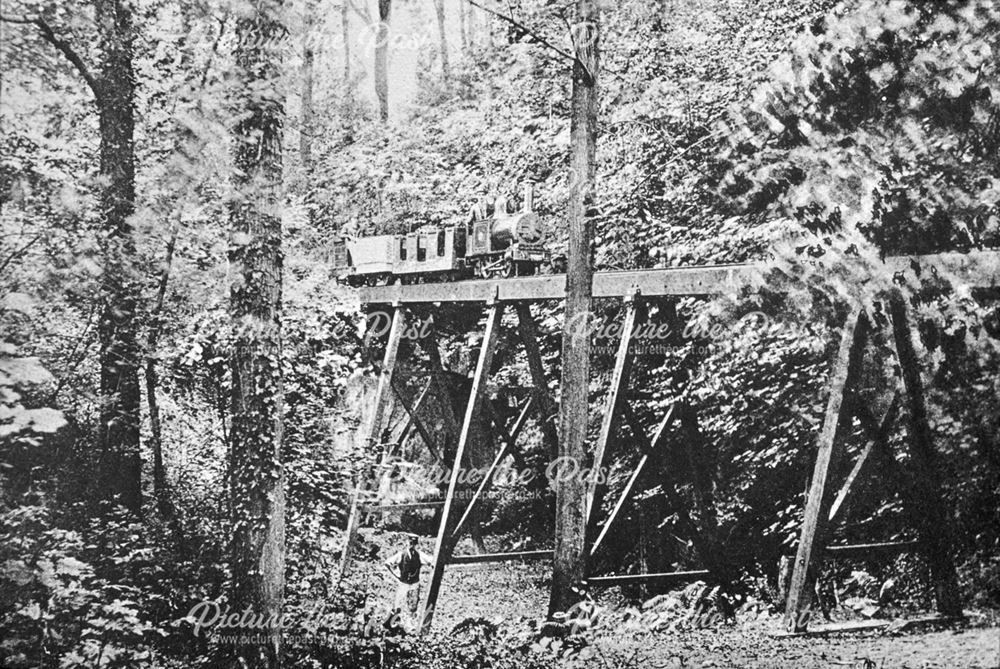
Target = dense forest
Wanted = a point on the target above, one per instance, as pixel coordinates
(184, 380)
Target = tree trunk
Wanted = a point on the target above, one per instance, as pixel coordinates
(345, 28)
(160, 485)
(121, 463)
(443, 33)
(257, 492)
(382, 59)
(569, 563)
(306, 116)
(463, 25)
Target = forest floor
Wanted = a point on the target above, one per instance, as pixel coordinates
(513, 594)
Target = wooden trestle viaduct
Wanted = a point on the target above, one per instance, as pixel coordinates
(825, 499)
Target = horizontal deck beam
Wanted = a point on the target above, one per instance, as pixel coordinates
(980, 269)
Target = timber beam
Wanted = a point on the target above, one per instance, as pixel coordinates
(632, 579)
(980, 269)
(486, 558)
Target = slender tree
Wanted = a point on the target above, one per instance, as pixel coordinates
(463, 27)
(382, 58)
(307, 115)
(443, 34)
(569, 563)
(345, 27)
(257, 494)
(161, 488)
(113, 86)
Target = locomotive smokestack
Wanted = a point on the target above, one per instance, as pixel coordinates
(529, 197)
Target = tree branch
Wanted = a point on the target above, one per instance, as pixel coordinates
(49, 35)
(528, 31)
(365, 16)
(17, 252)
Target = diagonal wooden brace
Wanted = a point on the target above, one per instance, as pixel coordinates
(443, 545)
(627, 492)
(509, 441)
(836, 424)
(529, 338)
(616, 391)
(877, 437)
(373, 430)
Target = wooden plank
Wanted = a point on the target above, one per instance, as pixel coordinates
(627, 491)
(616, 390)
(878, 440)
(529, 339)
(980, 269)
(373, 430)
(836, 423)
(443, 544)
(661, 578)
(865, 550)
(924, 498)
(484, 558)
(874, 624)
(509, 440)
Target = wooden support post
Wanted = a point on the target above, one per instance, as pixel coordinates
(701, 467)
(836, 423)
(443, 546)
(627, 492)
(373, 430)
(924, 496)
(616, 390)
(546, 407)
(875, 441)
(451, 427)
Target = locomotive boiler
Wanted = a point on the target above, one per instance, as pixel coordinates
(492, 242)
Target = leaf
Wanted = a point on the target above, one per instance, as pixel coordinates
(46, 420)
(19, 302)
(32, 610)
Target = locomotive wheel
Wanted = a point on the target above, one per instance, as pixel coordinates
(508, 269)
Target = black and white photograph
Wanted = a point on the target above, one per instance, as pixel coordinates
(500, 334)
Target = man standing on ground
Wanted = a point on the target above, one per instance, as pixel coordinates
(405, 567)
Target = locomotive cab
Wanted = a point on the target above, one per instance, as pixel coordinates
(506, 244)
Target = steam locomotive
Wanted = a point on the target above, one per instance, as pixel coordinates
(491, 243)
